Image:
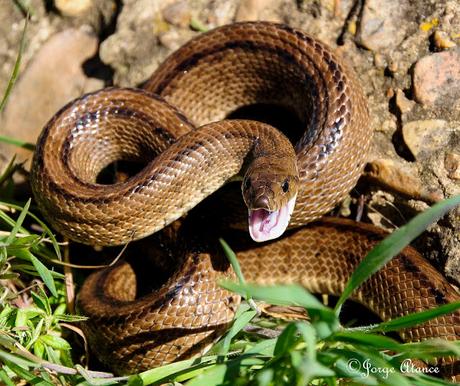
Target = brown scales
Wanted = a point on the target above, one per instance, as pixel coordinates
(210, 78)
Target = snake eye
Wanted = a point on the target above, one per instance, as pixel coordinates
(285, 186)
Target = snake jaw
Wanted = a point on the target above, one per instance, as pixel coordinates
(267, 225)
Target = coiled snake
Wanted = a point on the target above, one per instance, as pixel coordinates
(205, 81)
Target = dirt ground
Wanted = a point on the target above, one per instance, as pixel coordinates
(406, 54)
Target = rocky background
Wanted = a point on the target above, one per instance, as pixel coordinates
(406, 54)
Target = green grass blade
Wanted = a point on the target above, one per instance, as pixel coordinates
(17, 65)
(282, 295)
(233, 260)
(166, 372)
(28, 376)
(265, 347)
(237, 326)
(216, 375)
(18, 223)
(8, 170)
(25, 363)
(47, 230)
(432, 348)
(17, 142)
(309, 336)
(393, 244)
(416, 318)
(370, 340)
(44, 273)
(231, 256)
(197, 25)
(212, 377)
(5, 378)
(286, 341)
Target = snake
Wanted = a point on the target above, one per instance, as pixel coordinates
(187, 128)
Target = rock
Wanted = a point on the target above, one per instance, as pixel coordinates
(379, 60)
(452, 165)
(393, 66)
(436, 79)
(172, 39)
(221, 12)
(178, 14)
(53, 78)
(250, 10)
(73, 8)
(382, 24)
(426, 136)
(400, 178)
(442, 40)
(404, 105)
(133, 50)
(98, 14)
(381, 210)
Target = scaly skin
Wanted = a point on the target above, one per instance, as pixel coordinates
(211, 76)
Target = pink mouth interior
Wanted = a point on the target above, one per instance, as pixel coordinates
(265, 225)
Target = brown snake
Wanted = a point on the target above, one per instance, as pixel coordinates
(207, 80)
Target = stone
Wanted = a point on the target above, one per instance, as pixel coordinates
(425, 136)
(379, 60)
(250, 10)
(404, 105)
(436, 79)
(133, 58)
(172, 39)
(73, 8)
(382, 25)
(54, 77)
(400, 178)
(452, 165)
(178, 14)
(393, 66)
(442, 40)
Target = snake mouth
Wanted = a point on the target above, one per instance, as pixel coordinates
(267, 225)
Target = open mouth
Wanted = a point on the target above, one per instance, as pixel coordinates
(267, 225)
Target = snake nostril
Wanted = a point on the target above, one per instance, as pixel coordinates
(262, 202)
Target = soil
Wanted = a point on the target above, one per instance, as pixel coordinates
(406, 55)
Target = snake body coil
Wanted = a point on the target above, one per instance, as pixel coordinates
(202, 83)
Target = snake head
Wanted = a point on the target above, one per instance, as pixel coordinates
(269, 193)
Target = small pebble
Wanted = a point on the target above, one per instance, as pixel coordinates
(452, 165)
(442, 40)
(425, 136)
(399, 177)
(249, 10)
(382, 25)
(379, 61)
(393, 66)
(436, 78)
(404, 105)
(170, 40)
(73, 8)
(178, 14)
(390, 92)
